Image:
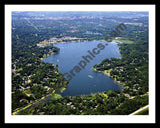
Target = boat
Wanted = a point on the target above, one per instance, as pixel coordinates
(90, 76)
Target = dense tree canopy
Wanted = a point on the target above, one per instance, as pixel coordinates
(33, 79)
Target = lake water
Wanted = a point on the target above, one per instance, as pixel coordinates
(86, 81)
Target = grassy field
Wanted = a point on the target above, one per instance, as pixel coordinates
(56, 96)
(124, 41)
(107, 72)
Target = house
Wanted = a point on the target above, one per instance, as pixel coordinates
(127, 95)
(22, 100)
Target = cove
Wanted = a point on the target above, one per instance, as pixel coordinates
(86, 81)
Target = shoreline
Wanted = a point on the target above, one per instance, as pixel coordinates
(48, 55)
(36, 102)
(107, 72)
(125, 41)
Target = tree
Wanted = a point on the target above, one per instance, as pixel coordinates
(111, 93)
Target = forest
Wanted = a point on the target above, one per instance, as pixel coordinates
(33, 79)
(110, 103)
(131, 70)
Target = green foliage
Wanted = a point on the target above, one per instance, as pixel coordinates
(132, 69)
(96, 104)
(131, 105)
(33, 79)
(143, 112)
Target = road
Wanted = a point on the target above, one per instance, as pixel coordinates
(42, 100)
(139, 110)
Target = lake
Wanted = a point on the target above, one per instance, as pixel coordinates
(86, 81)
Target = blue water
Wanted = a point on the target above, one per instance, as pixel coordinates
(86, 81)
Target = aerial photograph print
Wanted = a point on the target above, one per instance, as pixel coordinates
(79, 63)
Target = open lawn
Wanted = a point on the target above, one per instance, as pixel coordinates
(56, 96)
(124, 41)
